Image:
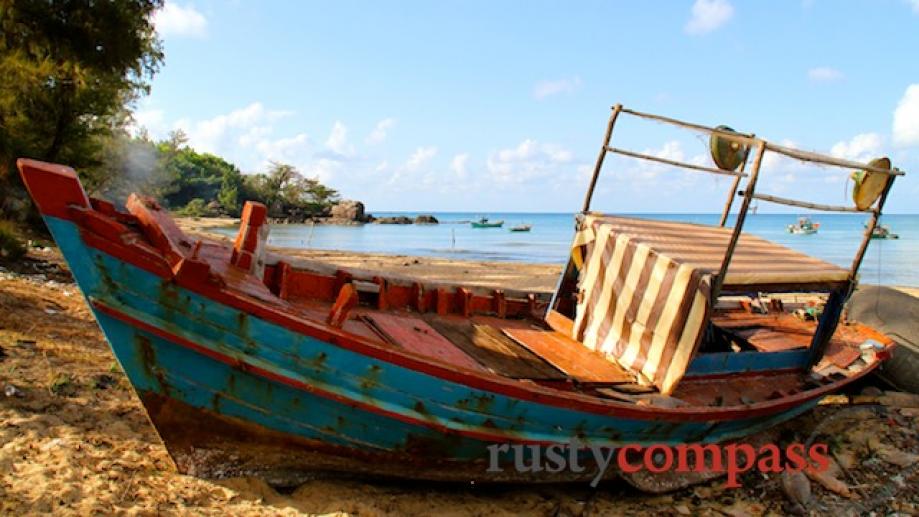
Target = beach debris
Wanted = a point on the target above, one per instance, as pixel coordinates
(797, 488)
(829, 479)
(2, 353)
(682, 509)
(12, 391)
(899, 399)
(104, 381)
(892, 454)
(63, 385)
(27, 344)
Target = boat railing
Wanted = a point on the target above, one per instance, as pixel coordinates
(760, 147)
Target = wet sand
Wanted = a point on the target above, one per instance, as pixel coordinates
(74, 439)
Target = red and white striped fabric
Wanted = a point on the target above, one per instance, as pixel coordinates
(645, 287)
(639, 307)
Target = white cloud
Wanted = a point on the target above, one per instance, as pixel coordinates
(824, 74)
(906, 116)
(544, 89)
(708, 15)
(458, 165)
(176, 20)
(915, 4)
(338, 140)
(153, 120)
(381, 131)
(528, 161)
(861, 148)
(223, 134)
(420, 158)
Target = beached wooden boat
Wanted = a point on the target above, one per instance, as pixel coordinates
(485, 223)
(249, 363)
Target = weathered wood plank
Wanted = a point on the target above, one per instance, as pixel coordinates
(494, 350)
(415, 335)
(569, 356)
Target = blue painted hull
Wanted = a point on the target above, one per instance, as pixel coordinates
(231, 393)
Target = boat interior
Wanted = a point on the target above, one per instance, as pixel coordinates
(754, 349)
(753, 322)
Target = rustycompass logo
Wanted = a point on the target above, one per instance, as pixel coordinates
(731, 459)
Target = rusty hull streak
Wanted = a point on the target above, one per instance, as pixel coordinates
(205, 444)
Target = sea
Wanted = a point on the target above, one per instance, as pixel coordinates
(888, 262)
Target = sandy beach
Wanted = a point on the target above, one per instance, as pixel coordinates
(75, 438)
(507, 275)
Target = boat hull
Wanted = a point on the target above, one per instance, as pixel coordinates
(233, 393)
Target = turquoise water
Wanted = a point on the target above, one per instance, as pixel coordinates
(892, 262)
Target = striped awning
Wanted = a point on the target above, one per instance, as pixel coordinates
(644, 287)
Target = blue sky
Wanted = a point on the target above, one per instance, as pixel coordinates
(501, 106)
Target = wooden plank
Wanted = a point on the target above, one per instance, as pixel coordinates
(417, 336)
(494, 350)
(571, 357)
(559, 322)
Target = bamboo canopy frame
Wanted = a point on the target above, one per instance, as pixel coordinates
(760, 146)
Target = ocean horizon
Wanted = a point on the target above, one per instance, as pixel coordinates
(887, 262)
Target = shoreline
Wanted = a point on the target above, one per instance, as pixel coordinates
(522, 276)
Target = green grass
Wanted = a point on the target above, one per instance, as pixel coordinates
(11, 245)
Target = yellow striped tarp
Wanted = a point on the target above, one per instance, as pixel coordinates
(644, 288)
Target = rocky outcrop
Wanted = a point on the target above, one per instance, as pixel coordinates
(400, 219)
(426, 219)
(348, 210)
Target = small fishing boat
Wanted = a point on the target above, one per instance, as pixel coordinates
(522, 228)
(804, 226)
(485, 223)
(252, 363)
(883, 232)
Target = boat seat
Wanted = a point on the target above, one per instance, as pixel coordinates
(490, 347)
(415, 335)
(571, 357)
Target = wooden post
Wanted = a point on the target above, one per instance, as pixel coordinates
(834, 305)
(600, 157)
(872, 224)
(741, 216)
(733, 191)
(827, 326)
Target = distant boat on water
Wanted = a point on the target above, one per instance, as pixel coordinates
(804, 226)
(485, 223)
(522, 228)
(882, 232)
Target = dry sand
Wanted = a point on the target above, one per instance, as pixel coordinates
(74, 439)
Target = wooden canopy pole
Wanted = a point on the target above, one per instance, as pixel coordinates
(600, 157)
(738, 226)
(834, 305)
(733, 191)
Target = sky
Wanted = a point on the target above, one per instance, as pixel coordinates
(501, 106)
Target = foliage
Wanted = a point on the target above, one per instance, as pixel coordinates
(195, 208)
(191, 175)
(11, 247)
(70, 70)
(287, 193)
